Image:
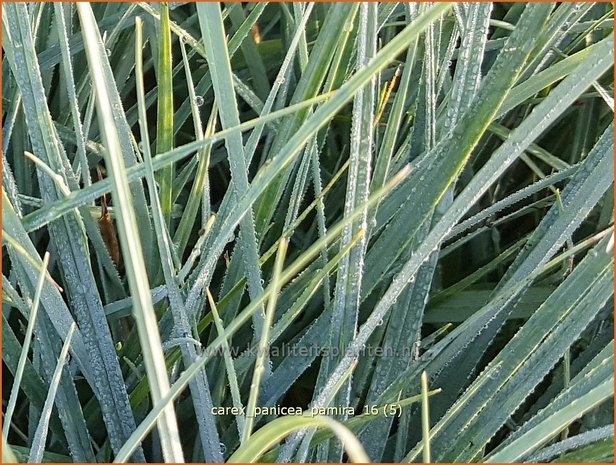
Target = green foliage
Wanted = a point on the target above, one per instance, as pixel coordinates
(330, 206)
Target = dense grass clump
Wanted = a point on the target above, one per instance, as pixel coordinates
(307, 232)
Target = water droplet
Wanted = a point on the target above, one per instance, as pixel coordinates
(199, 101)
(141, 146)
(108, 51)
(223, 448)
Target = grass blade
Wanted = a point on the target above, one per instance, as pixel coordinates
(68, 235)
(24, 352)
(164, 126)
(264, 343)
(38, 444)
(425, 418)
(131, 246)
(199, 388)
(210, 20)
(229, 366)
(278, 429)
(580, 397)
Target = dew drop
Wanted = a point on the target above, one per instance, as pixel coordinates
(348, 26)
(199, 101)
(108, 52)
